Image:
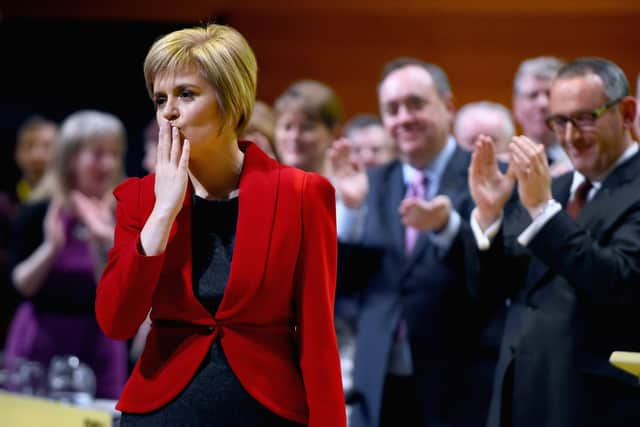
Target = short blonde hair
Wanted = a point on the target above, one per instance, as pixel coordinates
(225, 60)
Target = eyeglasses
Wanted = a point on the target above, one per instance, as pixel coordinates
(581, 120)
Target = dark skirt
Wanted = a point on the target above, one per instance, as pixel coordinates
(213, 398)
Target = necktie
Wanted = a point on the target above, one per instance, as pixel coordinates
(579, 198)
(416, 189)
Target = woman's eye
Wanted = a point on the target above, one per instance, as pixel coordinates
(186, 94)
(159, 101)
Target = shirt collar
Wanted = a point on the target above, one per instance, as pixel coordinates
(578, 178)
(434, 169)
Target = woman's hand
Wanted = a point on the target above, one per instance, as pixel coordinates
(97, 215)
(54, 233)
(172, 166)
(172, 169)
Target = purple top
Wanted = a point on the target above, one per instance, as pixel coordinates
(60, 318)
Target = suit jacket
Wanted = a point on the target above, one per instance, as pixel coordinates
(575, 293)
(275, 321)
(426, 289)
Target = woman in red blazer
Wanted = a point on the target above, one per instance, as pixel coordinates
(234, 254)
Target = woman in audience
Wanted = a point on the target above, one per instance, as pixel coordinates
(59, 249)
(308, 115)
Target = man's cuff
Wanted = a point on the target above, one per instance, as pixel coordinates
(484, 238)
(445, 237)
(350, 222)
(547, 211)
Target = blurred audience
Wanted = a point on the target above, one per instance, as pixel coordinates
(261, 128)
(35, 144)
(150, 146)
(484, 118)
(637, 121)
(531, 87)
(371, 144)
(59, 245)
(34, 151)
(308, 114)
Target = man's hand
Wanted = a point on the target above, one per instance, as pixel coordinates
(349, 177)
(426, 215)
(532, 170)
(490, 188)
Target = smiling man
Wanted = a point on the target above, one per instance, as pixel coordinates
(572, 256)
(414, 362)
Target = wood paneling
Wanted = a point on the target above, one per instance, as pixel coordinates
(344, 43)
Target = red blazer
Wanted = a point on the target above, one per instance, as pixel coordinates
(275, 321)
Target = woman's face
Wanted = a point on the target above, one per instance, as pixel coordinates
(97, 164)
(302, 142)
(190, 103)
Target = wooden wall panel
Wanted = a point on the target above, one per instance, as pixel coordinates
(342, 42)
(480, 52)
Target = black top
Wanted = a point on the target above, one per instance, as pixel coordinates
(214, 397)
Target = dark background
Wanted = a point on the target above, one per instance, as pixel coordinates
(65, 66)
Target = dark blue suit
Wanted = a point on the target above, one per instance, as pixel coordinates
(575, 293)
(427, 290)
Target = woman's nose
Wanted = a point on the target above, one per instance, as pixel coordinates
(170, 112)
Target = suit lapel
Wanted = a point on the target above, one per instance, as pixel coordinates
(259, 183)
(395, 190)
(560, 190)
(609, 198)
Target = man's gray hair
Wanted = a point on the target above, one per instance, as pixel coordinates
(541, 67)
(616, 85)
(509, 126)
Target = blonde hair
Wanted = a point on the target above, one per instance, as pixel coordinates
(225, 60)
(79, 129)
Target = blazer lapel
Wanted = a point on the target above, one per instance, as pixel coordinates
(259, 183)
(608, 198)
(394, 189)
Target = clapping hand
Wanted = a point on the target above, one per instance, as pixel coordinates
(426, 215)
(490, 188)
(53, 226)
(529, 162)
(350, 179)
(96, 214)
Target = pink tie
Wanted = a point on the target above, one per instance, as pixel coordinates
(416, 189)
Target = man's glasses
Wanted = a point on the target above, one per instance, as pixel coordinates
(581, 120)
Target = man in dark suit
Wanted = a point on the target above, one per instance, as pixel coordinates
(411, 350)
(568, 255)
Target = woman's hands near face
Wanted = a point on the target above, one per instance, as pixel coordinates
(172, 168)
